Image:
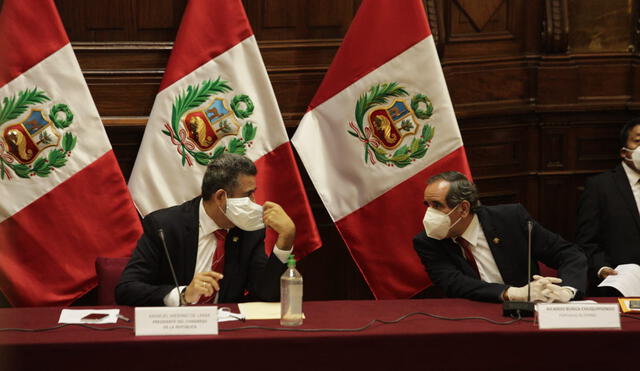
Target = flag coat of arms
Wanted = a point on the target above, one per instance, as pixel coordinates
(379, 125)
(216, 97)
(64, 201)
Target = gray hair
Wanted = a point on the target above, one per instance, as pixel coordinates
(460, 189)
(223, 172)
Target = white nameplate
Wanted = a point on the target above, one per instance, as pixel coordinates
(568, 316)
(197, 320)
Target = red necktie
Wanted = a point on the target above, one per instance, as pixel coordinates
(467, 254)
(217, 263)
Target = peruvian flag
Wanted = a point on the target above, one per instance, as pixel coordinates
(215, 97)
(64, 201)
(379, 125)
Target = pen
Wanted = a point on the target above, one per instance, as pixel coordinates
(123, 318)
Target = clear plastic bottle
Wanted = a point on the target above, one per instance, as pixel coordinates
(291, 295)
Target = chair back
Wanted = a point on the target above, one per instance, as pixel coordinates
(108, 271)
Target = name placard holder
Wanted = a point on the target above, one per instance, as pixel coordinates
(196, 320)
(578, 316)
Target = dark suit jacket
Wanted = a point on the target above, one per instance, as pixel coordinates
(147, 278)
(505, 228)
(608, 222)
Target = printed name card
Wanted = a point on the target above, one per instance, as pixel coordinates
(197, 320)
(575, 316)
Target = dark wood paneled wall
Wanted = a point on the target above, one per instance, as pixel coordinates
(539, 101)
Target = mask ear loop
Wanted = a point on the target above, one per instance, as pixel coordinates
(454, 208)
(459, 219)
(632, 152)
(226, 197)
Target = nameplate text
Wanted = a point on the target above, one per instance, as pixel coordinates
(196, 320)
(577, 315)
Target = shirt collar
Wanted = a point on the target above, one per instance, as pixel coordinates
(471, 233)
(207, 225)
(631, 174)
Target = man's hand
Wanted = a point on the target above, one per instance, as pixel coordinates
(277, 219)
(203, 284)
(557, 294)
(606, 272)
(521, 293)
(547, 280)
(538, 284)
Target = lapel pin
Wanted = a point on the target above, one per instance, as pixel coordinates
(235, 239)
(496, 241)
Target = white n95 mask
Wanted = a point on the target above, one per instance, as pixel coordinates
(244, 214)
(437, 224)
(635, 156)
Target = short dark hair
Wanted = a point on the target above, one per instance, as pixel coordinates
(460, 189)
(624, 133)
(223, 172)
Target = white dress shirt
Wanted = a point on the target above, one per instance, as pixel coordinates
(479, 247)
(207, 245)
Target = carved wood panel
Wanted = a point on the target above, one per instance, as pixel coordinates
(472, 17)
(558, 204)
(601, 26)
(300, 19)
(597, 144)
(121, 20)
(554, 148)
(481, 28)
(500, 148)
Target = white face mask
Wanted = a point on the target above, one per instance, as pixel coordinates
(437, 224)
(635, 156)
(244, 214)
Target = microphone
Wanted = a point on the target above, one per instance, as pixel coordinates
(522, 308)
(530, 227)
(173, 272)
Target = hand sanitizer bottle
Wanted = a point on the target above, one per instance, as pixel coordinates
(291, 295)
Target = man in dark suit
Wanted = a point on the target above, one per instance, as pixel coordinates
(480, 252)
(210, 267)
(608, 217)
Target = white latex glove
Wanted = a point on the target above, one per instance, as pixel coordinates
(520, 293)
(538, 284)
(547, 280)
(557, 293)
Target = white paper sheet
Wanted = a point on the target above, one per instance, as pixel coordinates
(260, 310)
(627, 281)
(76, 315)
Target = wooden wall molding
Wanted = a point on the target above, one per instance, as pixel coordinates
(436, 22)
(556, 26)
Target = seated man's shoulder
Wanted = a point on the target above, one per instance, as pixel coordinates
(603, 177)
(504, 209)
(506, 215)
(421, 235)
(421, 238)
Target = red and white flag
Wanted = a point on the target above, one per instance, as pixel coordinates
(379, 125)
(215, 97)
(64, 201)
